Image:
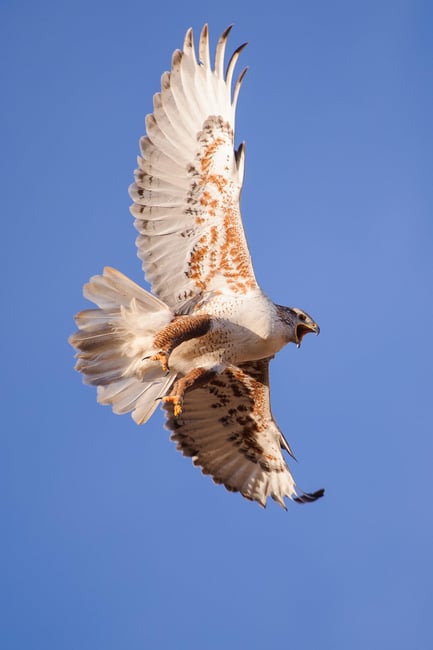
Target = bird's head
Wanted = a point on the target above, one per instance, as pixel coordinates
(299, 323)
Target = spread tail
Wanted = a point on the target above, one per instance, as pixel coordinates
(115, 342)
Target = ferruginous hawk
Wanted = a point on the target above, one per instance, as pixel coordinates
(201, 343)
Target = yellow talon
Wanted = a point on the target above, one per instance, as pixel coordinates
(162, 357)
(177, 404)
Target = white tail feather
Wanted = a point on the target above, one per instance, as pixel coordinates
(115, 343)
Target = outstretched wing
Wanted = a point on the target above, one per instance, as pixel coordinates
(228, 429)
(189, 178)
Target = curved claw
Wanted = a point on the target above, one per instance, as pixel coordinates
(163, 358)
(177, 403)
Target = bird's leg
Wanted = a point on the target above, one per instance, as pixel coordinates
(179, 330)
(194, 377)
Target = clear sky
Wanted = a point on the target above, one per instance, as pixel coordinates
(109, 537)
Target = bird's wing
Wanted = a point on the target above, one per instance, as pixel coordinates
(227, 427)
(189, 178)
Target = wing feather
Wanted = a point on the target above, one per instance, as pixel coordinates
(228, 429)
(189, 178)
(220, 52)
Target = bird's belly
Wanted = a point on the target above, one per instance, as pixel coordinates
(226, 343)
(244, 328)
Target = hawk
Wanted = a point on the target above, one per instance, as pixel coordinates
(202, 341)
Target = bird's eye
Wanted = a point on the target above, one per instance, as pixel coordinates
(302, 317)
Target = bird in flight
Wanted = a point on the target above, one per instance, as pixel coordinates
(202, 341)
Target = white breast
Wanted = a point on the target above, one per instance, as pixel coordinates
(244, 328)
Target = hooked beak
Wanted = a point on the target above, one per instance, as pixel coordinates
(305, 328)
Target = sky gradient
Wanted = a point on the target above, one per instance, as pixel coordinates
(111, 539)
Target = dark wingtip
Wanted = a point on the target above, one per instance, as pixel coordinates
(226, 32)
(309, 497)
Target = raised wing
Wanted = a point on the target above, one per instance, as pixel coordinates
(227, 428)
(189, 178)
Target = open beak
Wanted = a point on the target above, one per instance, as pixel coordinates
(305, 328)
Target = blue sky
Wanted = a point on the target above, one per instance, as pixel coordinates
(110, 538)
